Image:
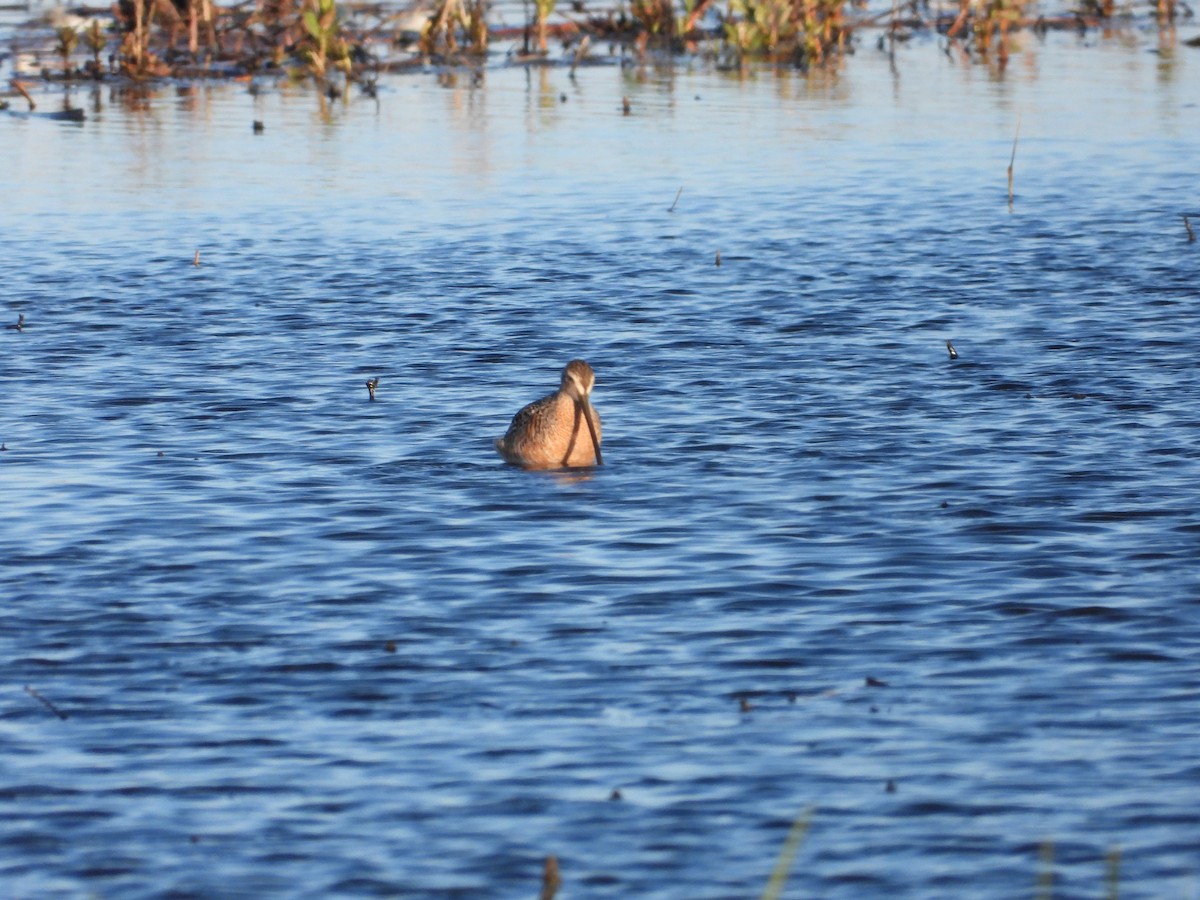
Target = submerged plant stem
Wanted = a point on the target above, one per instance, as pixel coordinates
(1045, 879)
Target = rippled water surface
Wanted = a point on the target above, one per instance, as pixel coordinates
(305, 644)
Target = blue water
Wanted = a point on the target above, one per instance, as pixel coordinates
(305, 644)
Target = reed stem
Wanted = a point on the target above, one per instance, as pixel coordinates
(37, 695)
(550, 879)
(1045, 879)
(1012, 159)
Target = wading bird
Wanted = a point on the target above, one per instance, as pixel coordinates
(561, 430)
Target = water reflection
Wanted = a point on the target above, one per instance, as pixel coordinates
(544, 95)
(134, 98)
(1167, 44)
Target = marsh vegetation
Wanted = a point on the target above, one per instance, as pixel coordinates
(340, 44)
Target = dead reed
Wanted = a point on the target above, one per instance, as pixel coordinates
(37, 695)
(20, 89)
(456, 28)
(580, 54)
(550, 879)
(1011, 161)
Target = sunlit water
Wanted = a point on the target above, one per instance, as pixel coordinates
(311, 645)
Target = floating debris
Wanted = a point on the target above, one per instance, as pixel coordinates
(70, 114)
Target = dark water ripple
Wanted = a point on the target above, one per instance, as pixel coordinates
(309, 645)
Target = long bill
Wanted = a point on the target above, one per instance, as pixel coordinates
(585, 405)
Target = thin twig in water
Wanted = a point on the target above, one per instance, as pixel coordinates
(1012, 159)
(1045, 879)
(678, 193)
(579, 54)
(36, 695)
(20, 89)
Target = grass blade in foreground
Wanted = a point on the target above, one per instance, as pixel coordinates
(787, 853)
